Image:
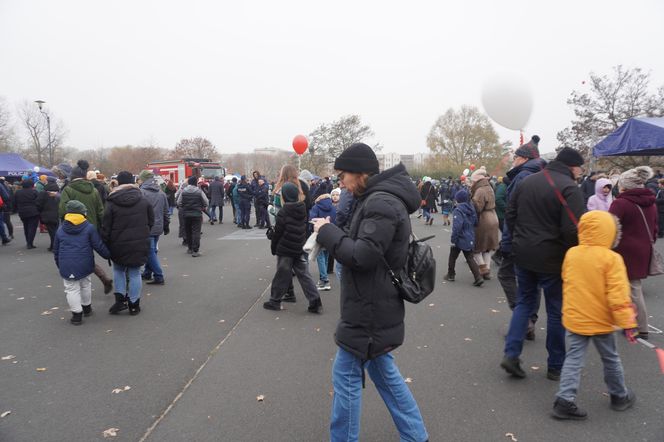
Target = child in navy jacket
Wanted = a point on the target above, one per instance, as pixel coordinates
(464, 220)
(73, 249)
(323, 209)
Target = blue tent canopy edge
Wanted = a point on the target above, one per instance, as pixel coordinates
(14, 165)
(637, 136)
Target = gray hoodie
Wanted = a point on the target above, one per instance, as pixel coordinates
(159, 202)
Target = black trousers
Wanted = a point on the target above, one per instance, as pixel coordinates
(51, 228)
(192, 228)
(283, 278)
(468, 254)
(30, 226)
(181, 232)
(507, 279)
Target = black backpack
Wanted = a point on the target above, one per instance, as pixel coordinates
(417, 279)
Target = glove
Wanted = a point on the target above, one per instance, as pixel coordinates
(167, 229)
(269, 232)
(631, 334)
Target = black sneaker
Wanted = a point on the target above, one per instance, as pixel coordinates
(553, 374)
(563, 409)
(513, 367)
(623, 403)
(289, 297)
(87, 310)
(478, 282)
(156, 282)
(642, 335)
(269, 305)
(449, 277)
(134, 307)
(530, 333)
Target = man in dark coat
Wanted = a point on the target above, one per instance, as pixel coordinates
(542, 231)
(372, 312)
(216, 200)
(48, 202)
(25, 203)
(128, 218)
(526, 162)
(6, 208)
(246, 195)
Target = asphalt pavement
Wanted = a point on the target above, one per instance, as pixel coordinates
(205, 362)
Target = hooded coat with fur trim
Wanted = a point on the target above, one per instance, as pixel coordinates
(636, 244)
(596, 292)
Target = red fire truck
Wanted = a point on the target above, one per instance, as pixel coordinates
(179, 170)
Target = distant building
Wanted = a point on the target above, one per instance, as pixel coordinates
(408, 161)
(268, 151)
(421, 158)
(387, 160)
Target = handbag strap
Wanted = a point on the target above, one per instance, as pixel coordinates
(652, 240)
(561, 198)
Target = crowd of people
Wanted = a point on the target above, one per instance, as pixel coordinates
(586, 244)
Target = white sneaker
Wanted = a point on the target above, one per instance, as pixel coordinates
(323, 285)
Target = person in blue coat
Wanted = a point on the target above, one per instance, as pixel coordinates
(246, 195)
(464, 220)
(73, 250)
(323, 208)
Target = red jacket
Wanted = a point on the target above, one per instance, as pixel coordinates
(635, 244)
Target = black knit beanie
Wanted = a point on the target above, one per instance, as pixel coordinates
(358, 158)
(290, 192)
(570, 157)
(125, 177)
(192, 180)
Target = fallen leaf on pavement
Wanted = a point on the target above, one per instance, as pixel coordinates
(108, 331)
(41, 369)
(46, 313)
(8, 357)
(408, 380)
(20, 299)
(120, 390)
(318, 329)
(535, 367)
(493, 310)
(221, 321)
(467, 339)
(5, 414)
(55, 308)
(431, 305)
(111, 432)
(511, 436)
(49, 286)
(260, 398)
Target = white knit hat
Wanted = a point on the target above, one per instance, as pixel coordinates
(635, 178)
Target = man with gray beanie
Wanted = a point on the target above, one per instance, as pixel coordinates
(541, 216)
(152, 192)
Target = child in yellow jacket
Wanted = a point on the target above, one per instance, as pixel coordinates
(596, 300)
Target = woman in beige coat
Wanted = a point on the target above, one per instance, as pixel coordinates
(487, 237)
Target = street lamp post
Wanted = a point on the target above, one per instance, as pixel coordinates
(40, 103)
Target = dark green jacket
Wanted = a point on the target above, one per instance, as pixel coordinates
(501, 200)
(85, 192)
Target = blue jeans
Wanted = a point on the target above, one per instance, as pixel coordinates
(347, 401)
(321, 259)
(152, 267)
(427, 213)
(526, 303)
(120, 275)
(238, 213)
(337, 271)
(570, 377)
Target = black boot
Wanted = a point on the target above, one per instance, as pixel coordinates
(76, 318)
(120, 304)
(622, 403)
(289, 296)
(513, 367)
(315, 306)
(135, 307)
(87, 310)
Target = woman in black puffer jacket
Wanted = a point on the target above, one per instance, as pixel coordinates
(372, 312)
(128, 218)
(25, 202)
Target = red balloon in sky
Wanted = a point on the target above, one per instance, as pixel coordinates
(300, 144)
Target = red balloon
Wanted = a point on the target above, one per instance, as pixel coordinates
(463, 177)
(472, 167)
(300, 144)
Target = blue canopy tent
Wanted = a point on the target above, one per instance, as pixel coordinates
(637, 136)
(13, 165)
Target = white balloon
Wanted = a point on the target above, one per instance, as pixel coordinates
(36, 168)
(466, 172)
(508, 100)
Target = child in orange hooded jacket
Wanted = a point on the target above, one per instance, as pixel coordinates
(596, 300)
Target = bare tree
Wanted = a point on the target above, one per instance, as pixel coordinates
(197, 147)
(608, 103)
(43, 145)
(463, 137)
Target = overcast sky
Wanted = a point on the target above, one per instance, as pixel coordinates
(256, 73)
